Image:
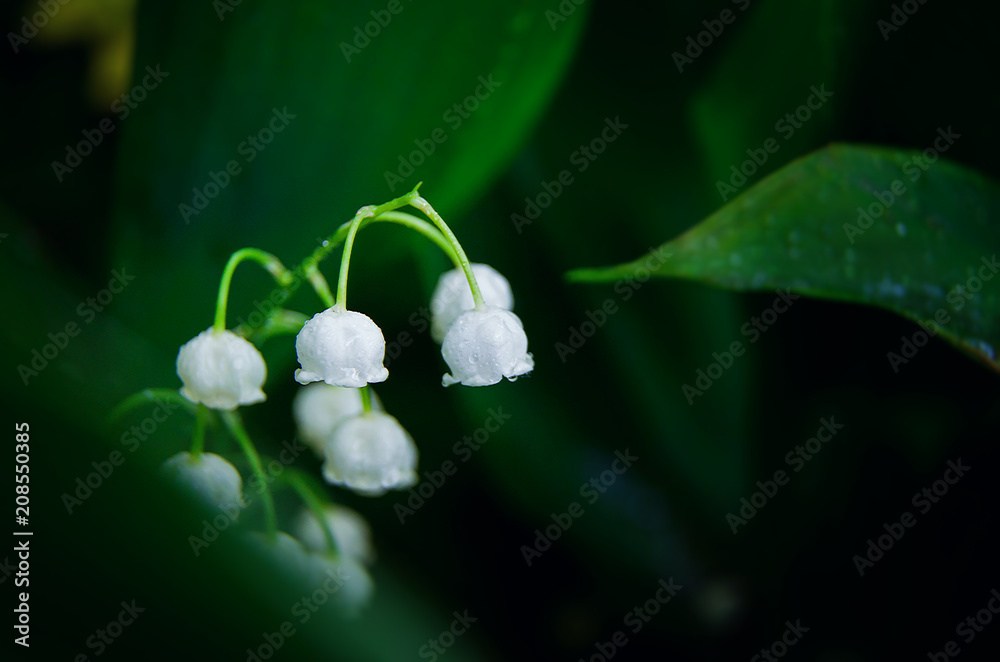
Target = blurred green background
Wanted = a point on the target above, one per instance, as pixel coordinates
(361, 109)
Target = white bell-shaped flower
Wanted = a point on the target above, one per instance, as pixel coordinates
(351, 533)
(318, 408)
(211, 477)
(221, 370)
(484, 346)
(341, 348)
(370, 454)
(346, 583)
(453, 296)
(281, 549)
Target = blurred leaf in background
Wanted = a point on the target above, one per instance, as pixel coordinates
(552, 136)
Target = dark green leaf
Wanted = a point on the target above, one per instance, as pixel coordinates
(927, 251)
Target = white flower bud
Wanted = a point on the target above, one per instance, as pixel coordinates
(351, 533)
(370, 454)
(453, 296)
(341, 348)
(211, 477)
(282, 550)
(318, 408)
(221, 370)
(346, 583)
(484, 346)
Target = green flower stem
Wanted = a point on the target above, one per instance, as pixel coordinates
(348, 231)
(340, 235)
(366, 399)
(346, 234)
(441, 235)
(400, 218)
(421, 226)
(425, 207)
(345, 259)
(198, 444)
(235, 425)
(310, 495)
(271, 263)
(319, 284)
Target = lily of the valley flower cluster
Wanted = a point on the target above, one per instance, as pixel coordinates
(340, 352)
